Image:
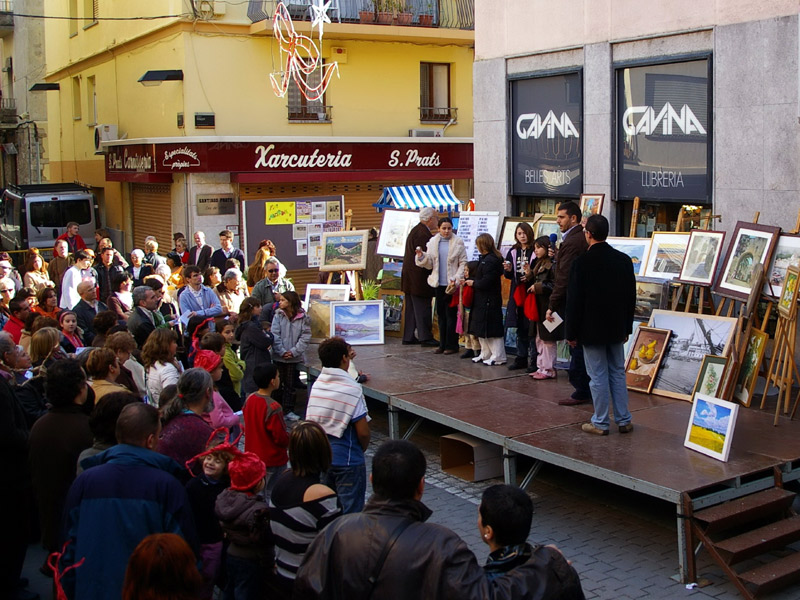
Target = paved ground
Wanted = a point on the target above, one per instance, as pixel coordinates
(623, 544)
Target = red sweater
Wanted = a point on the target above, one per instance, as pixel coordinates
(265, 430)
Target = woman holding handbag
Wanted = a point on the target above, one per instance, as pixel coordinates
(543, 280)
(517, 268)
(446, 257)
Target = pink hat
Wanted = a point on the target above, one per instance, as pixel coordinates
(207, 360)
(245, 471)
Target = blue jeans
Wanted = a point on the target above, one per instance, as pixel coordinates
(605, 365)
(246, 580)
(350, 485)
(578, 376)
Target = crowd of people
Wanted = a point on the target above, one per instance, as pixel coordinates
(128, 385)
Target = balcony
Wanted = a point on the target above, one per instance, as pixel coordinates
(8, 110)
(438, 114)
(448, 14)
(6, 17)
(314, 113)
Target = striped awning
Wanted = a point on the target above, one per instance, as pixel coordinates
(415, 197)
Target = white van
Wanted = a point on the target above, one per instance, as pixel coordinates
(33, 216)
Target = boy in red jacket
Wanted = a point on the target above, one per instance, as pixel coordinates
(264, 425)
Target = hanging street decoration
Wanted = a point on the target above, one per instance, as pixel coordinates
(299, 54)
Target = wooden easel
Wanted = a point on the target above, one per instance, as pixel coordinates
(695, 298)
(634, 216)
(357, 290)
(782, 368)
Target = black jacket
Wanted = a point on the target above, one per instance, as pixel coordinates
(104, 276)
(144, 271)
(140, 326)
(600, 297)
(414, 279)
(254, 350)
(486, 317)
(85, 316)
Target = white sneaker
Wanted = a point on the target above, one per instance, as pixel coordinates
(290, 416)
(477, 359)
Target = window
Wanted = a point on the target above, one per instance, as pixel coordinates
(55, 214)
(90, 10)
(434, 92)
(76, 98)
(73, 18)
(91, 100)
(302, 109)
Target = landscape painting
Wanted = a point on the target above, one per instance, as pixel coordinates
(751, 244)
(391, 276)
(359, 323)
(635, 248)
(787, 251)
(344, 250)
(318, 307)
(651, 293)
(666, 255)
(394, 231)
(711, 426)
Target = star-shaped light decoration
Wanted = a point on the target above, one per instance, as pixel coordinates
(321, 17)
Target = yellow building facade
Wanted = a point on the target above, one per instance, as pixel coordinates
(224, 108)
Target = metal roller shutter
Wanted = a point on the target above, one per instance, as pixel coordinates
(152, 215)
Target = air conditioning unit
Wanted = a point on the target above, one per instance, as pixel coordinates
(425, 133)
(104, 133)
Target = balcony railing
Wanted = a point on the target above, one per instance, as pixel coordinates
(315, 113)
(438, 114)
(6, 6)
(8, 110)
(451, 14)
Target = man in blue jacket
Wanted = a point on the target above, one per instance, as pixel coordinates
(125, 494)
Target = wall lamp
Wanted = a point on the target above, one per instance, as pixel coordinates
(44, 87)
(157, 77)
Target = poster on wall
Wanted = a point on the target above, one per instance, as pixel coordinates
(546, 129)
(472, 224)
(664, 132)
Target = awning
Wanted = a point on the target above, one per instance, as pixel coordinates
(414, 197)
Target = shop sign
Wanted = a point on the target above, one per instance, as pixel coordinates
(663, 134)
(215, 204)
(130, 159)
(545, 129)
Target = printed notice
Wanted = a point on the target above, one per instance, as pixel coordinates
(334, 210)
(302, 247)
(332, 226)
(319, 212)
(280, 213)
(299, 231)
(315, 228)
(303, 210)
(314, 250)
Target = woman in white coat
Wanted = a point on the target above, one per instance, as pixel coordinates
(444, 274)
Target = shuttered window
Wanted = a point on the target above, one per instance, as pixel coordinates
(152, 215)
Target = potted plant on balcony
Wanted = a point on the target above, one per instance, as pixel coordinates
(384, 9)
(426, 18)
(403, 13)
(367, 12)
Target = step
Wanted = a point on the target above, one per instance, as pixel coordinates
(774, 575)
(745, 509)
(755, 542)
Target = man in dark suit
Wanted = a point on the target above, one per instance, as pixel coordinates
(601, 296)
(200, 254)
(414, 283)
(86, 310)
(143, 319)
(106, 270)
(226, 251)
(573, 245)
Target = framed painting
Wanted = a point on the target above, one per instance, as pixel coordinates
(651, 293)
(789, 292)
(394, 312)
(787, 251)
(546, 226)
(693, 336)
(666, 254)
(390, 279)
(750, 245)
(711, 426)
(591, 204)
(344, 250)
(508, 231)
(702, 256)
(751, 360)
(318, 306)
(636, 248)
(359, 323)
(712, 376)
(644, 358)
(394, 231)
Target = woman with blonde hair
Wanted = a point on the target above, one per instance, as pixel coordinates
(45, 345)
(486, 318)
(35, 268)
(103, 367)
(158, 355)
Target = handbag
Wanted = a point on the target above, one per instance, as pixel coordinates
(520, 293)
(530, 308)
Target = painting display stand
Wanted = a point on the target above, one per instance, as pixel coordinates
(782, 369)
(698, 299)
(634, 216)
(355, 281)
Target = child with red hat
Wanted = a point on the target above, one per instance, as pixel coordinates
(244, 516)
(221, 415)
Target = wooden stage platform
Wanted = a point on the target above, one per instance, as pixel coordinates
(511, 410)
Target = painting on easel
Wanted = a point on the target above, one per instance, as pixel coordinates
(751, 244)
(344, 250)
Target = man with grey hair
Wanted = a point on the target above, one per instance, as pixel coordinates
(200, 253)
(230, 293)
(86, 309)
(268, 291)
(414, 283)
(143, 318)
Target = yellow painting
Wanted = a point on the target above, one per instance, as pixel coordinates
(280, 213)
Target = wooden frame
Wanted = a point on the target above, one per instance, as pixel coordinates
(711, 425)
(751, 244)
(751, 361)
(702, 257)
(787, 250)
(317, 305)
(665, 258)
(359, 323)
(591, 204)
(344, 250)
(395, 227)
(636, 248)
(508, 229)
(394, 312)
(789, 292)
(644, 358)
(710, 380)
(688, 345)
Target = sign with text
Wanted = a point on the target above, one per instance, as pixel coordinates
(664, 133)
(546, 129)
(473, 223)
(215, 204)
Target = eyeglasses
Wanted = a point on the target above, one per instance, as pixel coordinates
(4, 290)
(273, 270)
